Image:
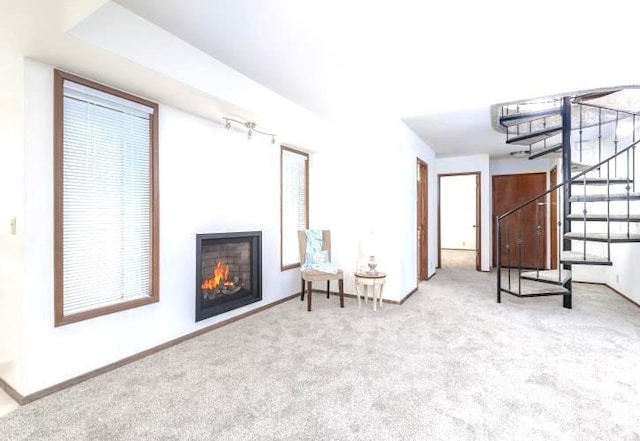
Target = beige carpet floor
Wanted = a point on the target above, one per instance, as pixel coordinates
(6, 404)
(449, 364)
(462, 259)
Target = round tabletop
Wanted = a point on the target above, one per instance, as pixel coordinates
(367, 275)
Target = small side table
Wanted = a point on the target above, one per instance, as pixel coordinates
(372, 280)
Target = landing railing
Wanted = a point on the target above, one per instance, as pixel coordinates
(513, 236)
(621, 123)
(548, 117)
(591, 122)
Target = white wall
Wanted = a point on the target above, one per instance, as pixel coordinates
(467, 164)
(458, 212)
(623, 275)
(509, 166)
(174, 58)
(11, 207)
(368, 182)
(211, 180)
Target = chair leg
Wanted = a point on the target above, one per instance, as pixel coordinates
(341, 290)
(302, 291)
(328, 288)
(309, 296)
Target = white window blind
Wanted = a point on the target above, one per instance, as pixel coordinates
(294, 203)
(107, 199)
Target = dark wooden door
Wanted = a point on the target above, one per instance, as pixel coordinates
(524, 232)
(422, 210)
(553, 215)
(477, 226)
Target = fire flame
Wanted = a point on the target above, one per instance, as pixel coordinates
(220, 275)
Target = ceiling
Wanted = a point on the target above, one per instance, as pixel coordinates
(438, 66)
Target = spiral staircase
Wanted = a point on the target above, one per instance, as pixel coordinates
(595, 136)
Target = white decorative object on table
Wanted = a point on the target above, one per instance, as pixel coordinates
(372, 264)
(370, 247)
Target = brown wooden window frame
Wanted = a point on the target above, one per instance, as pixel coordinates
(283, 148)
(58, 152)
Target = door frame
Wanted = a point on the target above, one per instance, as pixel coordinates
(422, 218)
(478, 225)
(553, 217)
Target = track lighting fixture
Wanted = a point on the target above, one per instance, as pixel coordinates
(250, 126)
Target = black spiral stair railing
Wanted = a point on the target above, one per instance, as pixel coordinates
(592, 219)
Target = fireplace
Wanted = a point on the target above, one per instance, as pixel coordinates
(228, 272)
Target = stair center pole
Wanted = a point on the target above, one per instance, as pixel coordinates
(566, 205)
(566, 167)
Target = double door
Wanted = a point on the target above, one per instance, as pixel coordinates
(525, 232)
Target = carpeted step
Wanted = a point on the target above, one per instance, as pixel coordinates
(556, 277)
(579, 258)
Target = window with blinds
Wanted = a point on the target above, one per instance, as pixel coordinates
(294, 187)
(106, 192)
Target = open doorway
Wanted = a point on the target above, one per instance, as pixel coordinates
(422, 174)
(459, 220)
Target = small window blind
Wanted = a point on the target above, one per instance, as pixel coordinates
(295, 217)
(106, 199)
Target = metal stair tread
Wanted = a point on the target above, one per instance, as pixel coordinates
(556, 277)
(579, 167)
(535, 136)
(524, 117)
(603, 217)
(545, 289)
(579, 258)
(601, 181)
(529, 288)
(602, 237)
(552, 149)
(604, 197)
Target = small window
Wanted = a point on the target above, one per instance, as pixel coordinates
(106, 193)
(294, 197)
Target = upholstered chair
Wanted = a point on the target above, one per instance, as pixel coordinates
(312, 275)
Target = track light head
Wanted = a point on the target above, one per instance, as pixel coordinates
(250, 125)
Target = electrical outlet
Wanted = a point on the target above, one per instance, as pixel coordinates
(14, 226)
(617, 278)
